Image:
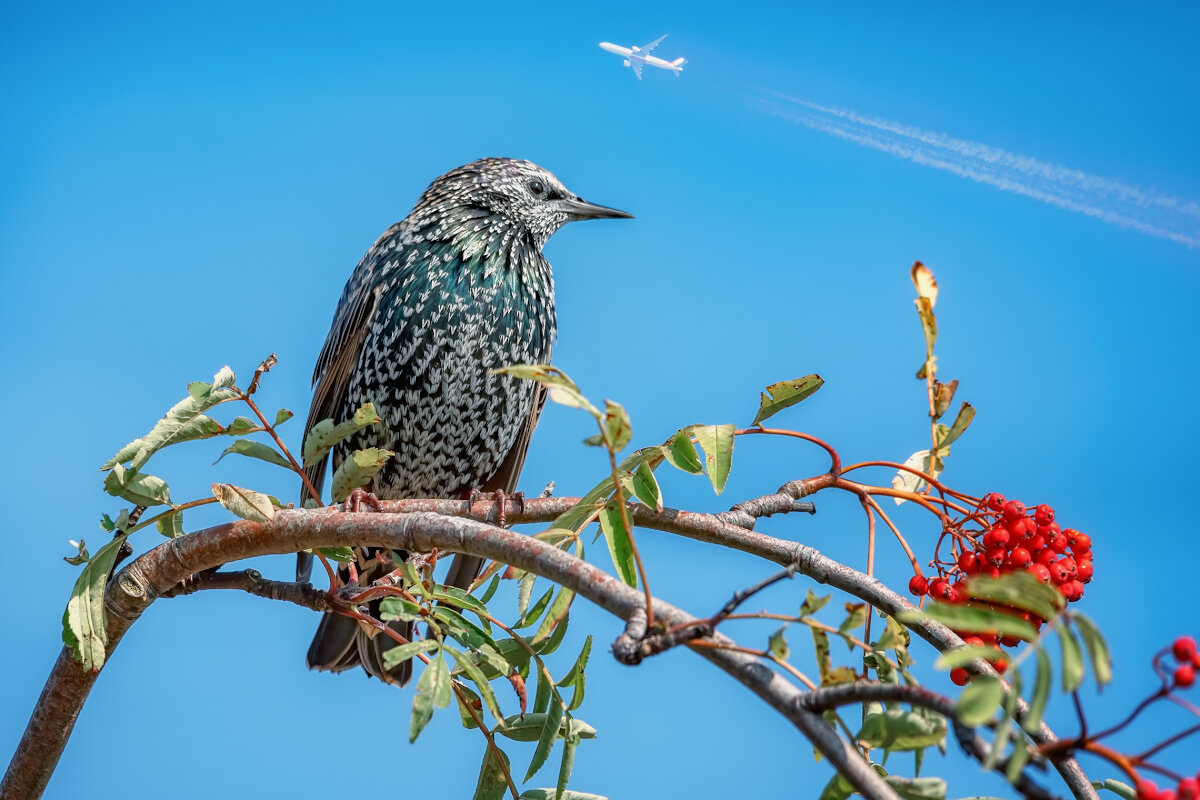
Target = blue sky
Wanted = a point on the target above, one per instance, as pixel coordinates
(187, 187)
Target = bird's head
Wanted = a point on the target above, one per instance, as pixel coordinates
(512, 192)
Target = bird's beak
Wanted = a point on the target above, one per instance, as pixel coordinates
(578, 208)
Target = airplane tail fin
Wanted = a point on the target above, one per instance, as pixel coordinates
(677, 66)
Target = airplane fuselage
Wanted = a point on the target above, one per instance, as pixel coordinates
(635, 55)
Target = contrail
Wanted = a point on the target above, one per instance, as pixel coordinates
(1106, 199)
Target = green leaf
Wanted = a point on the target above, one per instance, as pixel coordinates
(1123, 790)
(567, 794)
(541, 700)
(185, 421)
(971, 619)
(439, 684)
(617, 428)
(1018, 590)
(1016, 761)
(241, 426)
(244, 503)
(535, 611)
(1041, 692)
(681, 453)
(619, 546)
(979, 701)
(551, 643)
(85, 622)
(838, 788)
(821, 648)
(919, 788)
(813, 604)
(403, 652)
(645, 487)
(555, 615)
(462, 629)
(325, 434)
(560, 388)
(342, 555)
(467, 705)
(1072, 659)
(966, 413)
(565, 767)
(457, 597)
(777, 645)
(779, 396)
(139, 489)
(433, 689)
(251, 449)
(492, 784)
(523, 729)
(717, 443)
(357, 471)
(856, 617)
(171, 525)
(898, 730)
(82, 555)
(546, 739)
(472, 671)
(490, 590)
(962, 656)
(525, 592)
(1097, 649)
(282, 416)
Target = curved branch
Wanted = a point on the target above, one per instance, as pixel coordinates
(157, 572)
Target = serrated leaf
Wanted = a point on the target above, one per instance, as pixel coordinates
(472, 671)
(580, 665)
(251, 449)
(1072, 659)
(433, 689)
(85, 622)
(645, 487)
(551, 643)
(785, 394)
(492, 784)
(325, 434)
(137, 488)
(619, 546)
(565, 767)
(812, 604)
(184, 421)
(617, 428)
(490, 590)
(525, 592)
(397, 655)
(681, 453)
(979, 701)
(468, 701)
(546, 739)
(717, 443)
(245, 503)
(1018, 590)
(966, 413)
(462, 629)
(458, 597)
(1097, 649)
(972, 619)
(554, 615)
(535, 611)
(357, 471)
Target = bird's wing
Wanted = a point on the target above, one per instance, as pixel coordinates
(464, 569)
(653, 44)
(331, 377)
(637, 68)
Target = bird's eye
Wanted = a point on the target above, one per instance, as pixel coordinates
(537, 188)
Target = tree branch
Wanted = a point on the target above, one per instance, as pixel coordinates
(159, 571)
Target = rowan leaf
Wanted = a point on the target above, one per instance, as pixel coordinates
(717, 443)
(785, 394)
(85, 621)
(245, 503)
(357, 471)
(251, 449)
(325, 434)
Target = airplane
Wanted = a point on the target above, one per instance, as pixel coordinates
(638, 57)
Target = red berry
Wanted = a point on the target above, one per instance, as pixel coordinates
(1058, 573)
(1058, 543)
(1185, 676)
(1049, 531)
(1046, 557)
(1189, 789)
(994, 501)
(1040, 572)
(968, 563)
(1009, 641)
(1001, 664)
(1069, 565)
(1184, 648)
(1035, 543)
(1166, 794)
(918, 585)
(996, 537)
(1147, 790)
(1072, 590)
(1013, 510)
(997, 555)
(1044, 514)
(1018, 528)
(992, 572)
(1019, 558)
(1196, 664)
(1083, 570)
(974, 641)
(959, 676)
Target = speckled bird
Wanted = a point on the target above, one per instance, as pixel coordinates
(458, 288)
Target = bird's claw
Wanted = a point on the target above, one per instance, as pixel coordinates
(501, 498)
(357, 499)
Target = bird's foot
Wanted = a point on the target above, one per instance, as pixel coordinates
(359, 498)
(501, 498)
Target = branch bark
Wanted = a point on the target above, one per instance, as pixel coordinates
(159, 571)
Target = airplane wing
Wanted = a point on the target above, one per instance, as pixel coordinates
(637, 68)
(652, 45)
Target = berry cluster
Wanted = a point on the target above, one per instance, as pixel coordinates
(1002, 536)
(1184, 650)
(1188, 789)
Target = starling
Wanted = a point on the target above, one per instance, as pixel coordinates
(458, 288)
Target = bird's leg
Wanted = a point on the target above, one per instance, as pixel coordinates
(501, 498)
(357, 499)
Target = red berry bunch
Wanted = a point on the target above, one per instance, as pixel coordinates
(1188, 789)
(1184, 650)
(1003, 536)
